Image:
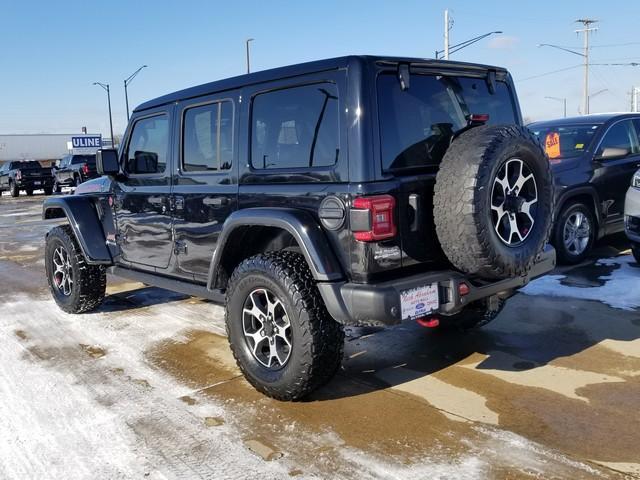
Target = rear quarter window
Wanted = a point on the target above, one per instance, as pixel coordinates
(295, 127)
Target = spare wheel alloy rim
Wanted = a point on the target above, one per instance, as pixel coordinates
(63, 272)
(514, 199)
(267, 329)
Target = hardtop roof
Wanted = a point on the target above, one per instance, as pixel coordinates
(300, 69)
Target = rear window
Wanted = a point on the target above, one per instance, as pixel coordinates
(416, 125)
(565, 141)
(91, 159)
(25, 165)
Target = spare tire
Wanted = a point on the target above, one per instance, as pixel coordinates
(493, 201)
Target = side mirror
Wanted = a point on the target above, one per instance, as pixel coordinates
(613, 152)
(107, 162)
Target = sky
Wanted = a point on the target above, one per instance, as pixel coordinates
(52, 52)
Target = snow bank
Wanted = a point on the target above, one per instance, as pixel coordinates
(620, 290)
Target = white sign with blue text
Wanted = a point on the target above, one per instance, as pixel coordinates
(86, 144)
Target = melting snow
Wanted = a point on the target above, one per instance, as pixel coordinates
(620, 290)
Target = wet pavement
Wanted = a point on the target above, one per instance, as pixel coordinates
(146, 387)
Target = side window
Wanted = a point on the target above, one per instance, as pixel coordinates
(207, 138)
(620, 140)
(295, 127)
(148, 146)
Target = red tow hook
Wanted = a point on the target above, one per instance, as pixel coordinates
(427, 322)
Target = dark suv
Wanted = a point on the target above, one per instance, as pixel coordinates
(74, 170)
(593, 158)
(349, 191)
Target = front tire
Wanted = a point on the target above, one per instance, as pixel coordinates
(76, 286)
(574, 233)
(281, 335)
(13, 188)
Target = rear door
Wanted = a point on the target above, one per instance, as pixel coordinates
(612, 175)
(416, 126)
(142, 199)
(206, 188)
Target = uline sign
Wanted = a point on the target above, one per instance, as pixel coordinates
(84, 144)
(86, 141)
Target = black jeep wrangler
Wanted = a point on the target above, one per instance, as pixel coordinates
(349, 191)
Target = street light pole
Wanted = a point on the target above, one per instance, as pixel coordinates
(564, 103)
(459, 46)
(105, 86)
(248, 59)
(126, 83)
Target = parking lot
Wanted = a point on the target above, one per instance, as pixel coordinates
(146, 386)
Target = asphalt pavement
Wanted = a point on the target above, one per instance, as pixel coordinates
(146, 387)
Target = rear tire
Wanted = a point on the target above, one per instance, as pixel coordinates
(76, 286)
(29, 193)
(48, 191)
(574, 233)
(56, 187)
(13, 188)
(281, 283)
(493, 201)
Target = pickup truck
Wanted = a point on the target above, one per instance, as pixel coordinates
(74, 170)
(25, 175)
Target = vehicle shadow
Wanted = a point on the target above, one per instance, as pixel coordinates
(531, 332)
(138, 298)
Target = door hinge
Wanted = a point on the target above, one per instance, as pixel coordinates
(180, 247)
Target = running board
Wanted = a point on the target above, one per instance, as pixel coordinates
(172, 284)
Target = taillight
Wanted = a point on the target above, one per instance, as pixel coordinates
(373, 218)
(18, 175)
(85, 169)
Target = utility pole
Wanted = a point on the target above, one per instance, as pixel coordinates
(586, 22)
(447, 26)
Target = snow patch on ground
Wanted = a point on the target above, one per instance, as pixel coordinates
(619, 291)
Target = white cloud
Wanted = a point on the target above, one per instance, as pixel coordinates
(505, 42)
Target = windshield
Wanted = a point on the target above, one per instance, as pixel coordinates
(565, 141)
(416, 125)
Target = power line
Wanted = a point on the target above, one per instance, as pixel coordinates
(548, 73)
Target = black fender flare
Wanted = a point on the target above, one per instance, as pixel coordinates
(84, 222)
(300, 224)
(571, 193)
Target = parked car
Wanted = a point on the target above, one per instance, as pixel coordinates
(349, 191)
(632, 215)
(73, 170)
(593, 159)
(25, 175)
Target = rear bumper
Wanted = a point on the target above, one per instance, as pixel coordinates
(379, 304)
(34, 183)
(632, 214)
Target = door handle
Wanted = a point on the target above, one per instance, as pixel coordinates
(215, 201)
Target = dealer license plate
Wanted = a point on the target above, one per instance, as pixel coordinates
(36, 183)
(420, 301)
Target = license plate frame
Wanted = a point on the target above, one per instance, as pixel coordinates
(419, 301)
